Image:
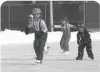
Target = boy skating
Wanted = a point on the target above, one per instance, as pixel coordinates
(84, 40)
(40, 34)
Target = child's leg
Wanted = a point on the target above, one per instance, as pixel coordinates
(89, 51)
(80, 51)
(66, 44)
(62, 43)
(36, 45)
(43, 40)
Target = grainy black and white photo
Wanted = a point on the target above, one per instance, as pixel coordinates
(50, 36)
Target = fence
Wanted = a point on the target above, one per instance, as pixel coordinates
(15, 16)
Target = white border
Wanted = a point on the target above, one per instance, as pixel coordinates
(2, 1)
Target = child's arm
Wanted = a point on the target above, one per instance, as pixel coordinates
(72, 26)
(52, 26)
(78, 38)
(43, 26)
(27, 30)
(30, 25)
(87, 37)
(57, 26)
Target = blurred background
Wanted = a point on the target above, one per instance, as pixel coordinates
(14, 14)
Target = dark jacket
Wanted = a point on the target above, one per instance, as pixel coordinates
(83, 38)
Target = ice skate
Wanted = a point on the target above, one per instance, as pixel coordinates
(38, 62)
(46, 49)
(66, 53)
(78, 58)
(62, 51)
(92, 58)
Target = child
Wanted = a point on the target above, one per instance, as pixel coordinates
(30, 21)
(40, 34)
(84, 40)
(64, 43)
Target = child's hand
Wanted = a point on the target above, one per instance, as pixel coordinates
(79, 43)
(63, 21)
(53, 26)
(74, 27)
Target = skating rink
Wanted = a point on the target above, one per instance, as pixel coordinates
(18, 57)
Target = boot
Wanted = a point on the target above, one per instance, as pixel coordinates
(79, 58)
(92, 58)
(38, 62)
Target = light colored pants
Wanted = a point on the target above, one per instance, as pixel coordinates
(64, 43)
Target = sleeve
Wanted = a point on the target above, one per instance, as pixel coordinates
(57, 26)
(78, 38)
(87, 36)
(70, 26)
(43, 26)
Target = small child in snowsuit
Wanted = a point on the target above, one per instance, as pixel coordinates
(64, 43)
(84, 40)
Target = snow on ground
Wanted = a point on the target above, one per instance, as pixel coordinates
(14, 36)
(19, 57)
